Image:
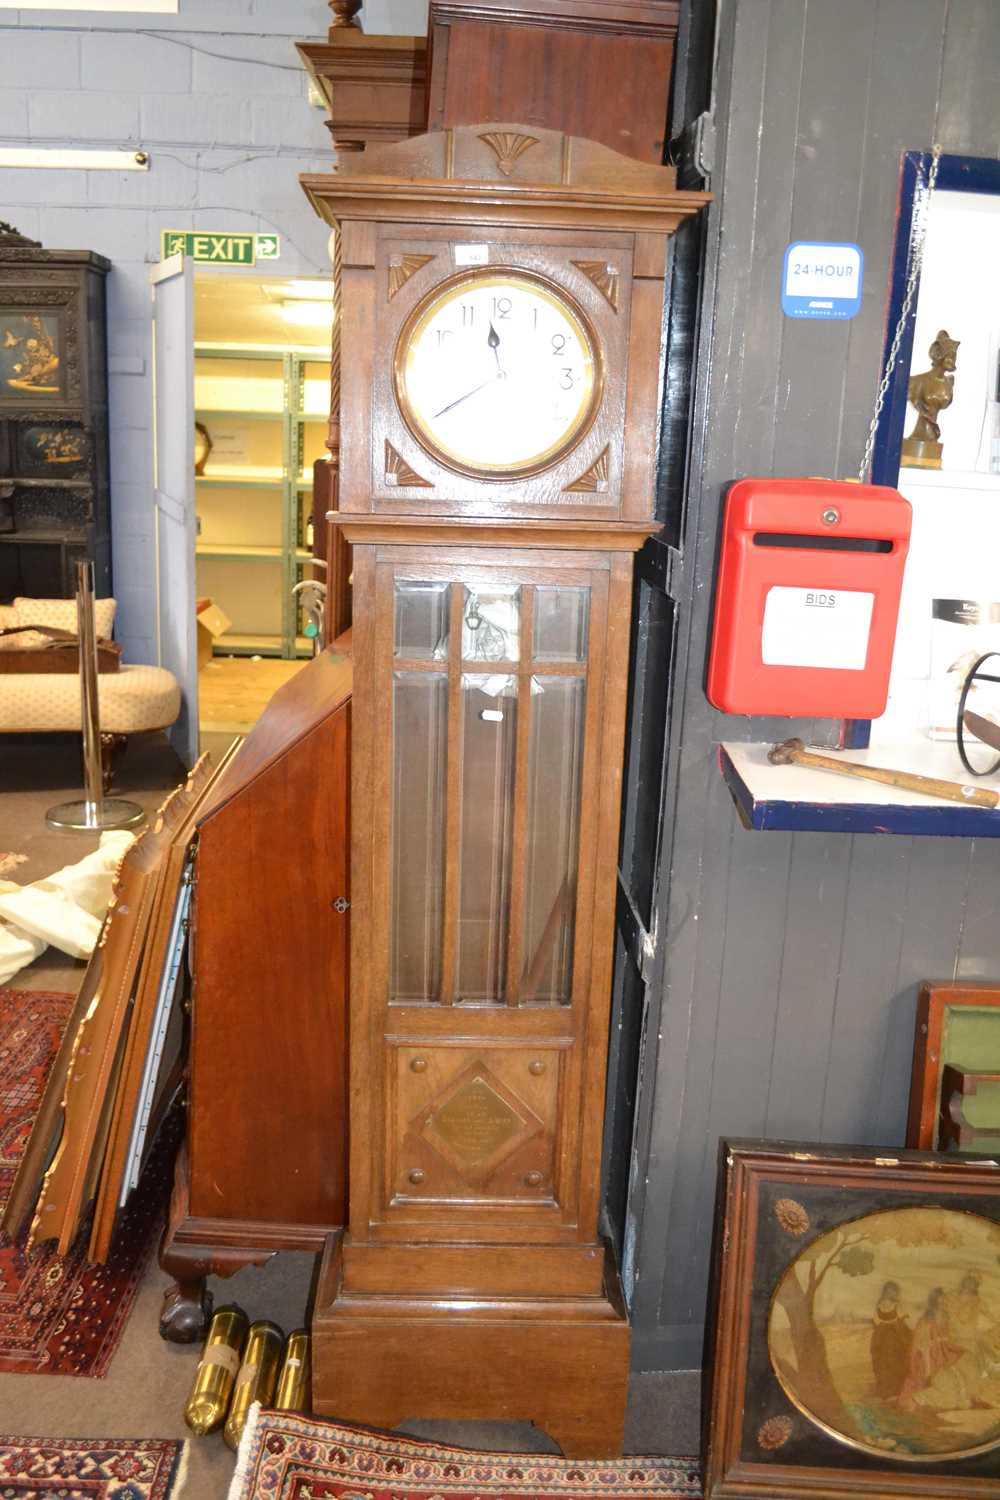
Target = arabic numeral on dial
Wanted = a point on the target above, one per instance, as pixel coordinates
(468, 314)
(443, 333)
(567, 381)
(558, 343)
(502, 307)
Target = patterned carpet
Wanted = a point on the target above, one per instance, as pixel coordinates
(59, 1316)
(286, 1457)
(92, 1469)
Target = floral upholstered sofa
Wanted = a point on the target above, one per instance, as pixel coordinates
(132, 700)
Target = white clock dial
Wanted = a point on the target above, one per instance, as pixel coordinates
(498, 373)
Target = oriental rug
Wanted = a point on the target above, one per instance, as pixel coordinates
(288, 1457)
(89, 1469)
(59, 1315)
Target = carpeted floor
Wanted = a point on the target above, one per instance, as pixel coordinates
(37, 1469)
(289, 1457)
(145, 1388)
(59, 1315)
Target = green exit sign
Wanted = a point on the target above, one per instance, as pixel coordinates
(219, 249)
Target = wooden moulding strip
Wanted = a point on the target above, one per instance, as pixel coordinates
(91, 1073)
(453, 797)
(518, 870)
(143, 1014)
(526, 205)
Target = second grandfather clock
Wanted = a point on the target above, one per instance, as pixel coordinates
(500, 294)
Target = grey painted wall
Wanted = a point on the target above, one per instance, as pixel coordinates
(791, 962)
(217, 96)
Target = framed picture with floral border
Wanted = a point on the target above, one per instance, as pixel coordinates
(854, 1329)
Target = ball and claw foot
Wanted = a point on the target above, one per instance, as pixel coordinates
(187, 1308)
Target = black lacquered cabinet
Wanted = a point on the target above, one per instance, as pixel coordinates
(54, 479)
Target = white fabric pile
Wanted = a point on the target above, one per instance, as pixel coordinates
(66, 909)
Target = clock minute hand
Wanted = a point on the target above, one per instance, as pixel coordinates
(458, 401)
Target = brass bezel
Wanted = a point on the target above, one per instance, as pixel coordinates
(452, 287)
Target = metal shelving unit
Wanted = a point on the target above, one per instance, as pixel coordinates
(288, 482)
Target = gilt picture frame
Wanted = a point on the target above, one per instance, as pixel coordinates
(854, 1325)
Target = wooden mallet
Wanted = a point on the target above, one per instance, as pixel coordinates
(794, 753)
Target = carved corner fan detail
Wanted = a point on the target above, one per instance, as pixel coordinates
(604, 277)
(402, 267)
(398, 471)
(508, 147)
(595, 478)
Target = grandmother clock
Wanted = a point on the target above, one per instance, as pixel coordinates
(501, 294)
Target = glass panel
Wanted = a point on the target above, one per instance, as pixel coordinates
(422, 621)
(555, 757)
(489, 743)
(649, 715)
(561, 617)
(420, 742)
(491, 623)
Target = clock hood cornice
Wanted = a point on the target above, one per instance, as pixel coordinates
(501, 174)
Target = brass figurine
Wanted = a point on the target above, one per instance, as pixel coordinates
(257, 1378)
(930, 393)
(215, 1377)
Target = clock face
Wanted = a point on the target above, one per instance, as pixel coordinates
(498, 373)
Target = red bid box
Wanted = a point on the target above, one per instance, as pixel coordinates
(807, 596)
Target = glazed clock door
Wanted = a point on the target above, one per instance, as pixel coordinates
(488, 721)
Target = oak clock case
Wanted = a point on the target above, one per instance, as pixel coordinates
(493, 501)
(533, 341)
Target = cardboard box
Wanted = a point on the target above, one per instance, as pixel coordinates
(212, 623)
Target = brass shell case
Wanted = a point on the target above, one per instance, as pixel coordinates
(217, 1370)
(257, 1378)
(294, 1391)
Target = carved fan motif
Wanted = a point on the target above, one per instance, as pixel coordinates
(595, 478)
(398, 471)
(604, 277)
(402, 267)
(507, 147)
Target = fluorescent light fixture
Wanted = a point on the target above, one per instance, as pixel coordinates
(162, 7)
(307, 314)
(298, 291)
(70, 160)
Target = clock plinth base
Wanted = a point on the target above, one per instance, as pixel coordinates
(559, 1361)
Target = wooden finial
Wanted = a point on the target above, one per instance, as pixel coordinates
(344, 13)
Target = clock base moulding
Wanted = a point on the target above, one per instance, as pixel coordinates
(559, 1360)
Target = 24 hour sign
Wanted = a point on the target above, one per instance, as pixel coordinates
(822, 280)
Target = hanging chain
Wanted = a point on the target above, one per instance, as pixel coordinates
(904, 314)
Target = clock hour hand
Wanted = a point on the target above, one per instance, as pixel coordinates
(493, 339)
(458, 401)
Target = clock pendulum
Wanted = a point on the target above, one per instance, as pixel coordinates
(500, 315)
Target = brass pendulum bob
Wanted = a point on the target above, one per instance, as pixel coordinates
(217, 1369)
(294, 1391)
(257, 1378)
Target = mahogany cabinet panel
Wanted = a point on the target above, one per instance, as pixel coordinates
(268, 1063)
(607, 80)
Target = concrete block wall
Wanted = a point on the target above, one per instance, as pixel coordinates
(217, 96)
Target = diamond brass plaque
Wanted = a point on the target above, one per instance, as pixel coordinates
(476, 1122)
